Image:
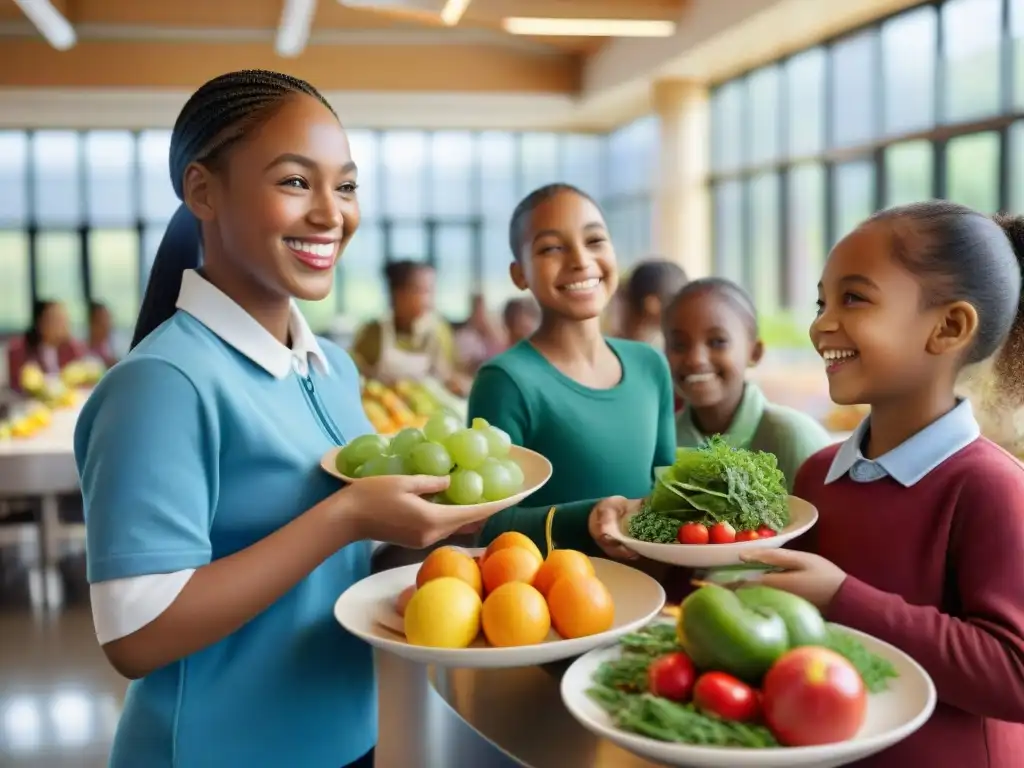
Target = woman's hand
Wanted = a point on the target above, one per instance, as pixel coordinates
(811, 577)
(392, 509)
(606, 520)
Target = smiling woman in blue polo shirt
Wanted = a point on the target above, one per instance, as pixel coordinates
(216, 546)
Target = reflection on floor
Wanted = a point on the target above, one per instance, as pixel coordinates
(59, 700)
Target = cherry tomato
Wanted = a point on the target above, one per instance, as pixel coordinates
(765, 532)
(722, 533)
(748, 536)
(813, 696)
(726, 697)
(671, 677)
(692, 533)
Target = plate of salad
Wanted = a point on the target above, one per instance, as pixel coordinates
(749, 678)
(714, 504)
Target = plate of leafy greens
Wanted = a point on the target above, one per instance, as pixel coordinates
(714, 504)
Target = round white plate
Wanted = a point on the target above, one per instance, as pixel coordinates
(536, 472)
(367, 610)
(802, 516)
(891, 717)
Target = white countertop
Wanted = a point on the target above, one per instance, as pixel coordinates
(57, 438)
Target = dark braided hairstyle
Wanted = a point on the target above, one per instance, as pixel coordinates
(223, 111)
(726, 289)
(521, 215)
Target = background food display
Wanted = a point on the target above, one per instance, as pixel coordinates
(44, 394)
(407, 403)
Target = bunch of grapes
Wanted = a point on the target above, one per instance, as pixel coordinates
(477, 459)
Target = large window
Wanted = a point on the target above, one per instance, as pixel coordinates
(82, 213)
(927, 102)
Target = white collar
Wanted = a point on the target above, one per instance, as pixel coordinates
(236, 327)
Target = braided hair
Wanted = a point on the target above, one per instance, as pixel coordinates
(219, 114)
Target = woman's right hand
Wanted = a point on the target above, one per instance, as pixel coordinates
(392, 509)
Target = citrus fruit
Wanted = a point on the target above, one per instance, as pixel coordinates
(511, 564)
(512, 539)
(515, 614)
(561, 562)
(450, 562)
(403, 599)
(580, 606)
(443, 613)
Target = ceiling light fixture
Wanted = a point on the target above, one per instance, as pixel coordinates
(452, 11)
(293, 31)
(589, 27)
(50, 22)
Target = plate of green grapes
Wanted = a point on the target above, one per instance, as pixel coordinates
(485, 468)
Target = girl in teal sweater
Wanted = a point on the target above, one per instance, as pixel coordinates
(601, 410)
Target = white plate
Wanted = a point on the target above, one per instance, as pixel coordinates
(536, 472)
(802, 516)
(891, 717)
(367, 610)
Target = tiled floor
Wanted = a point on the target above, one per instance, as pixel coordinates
(59, 700)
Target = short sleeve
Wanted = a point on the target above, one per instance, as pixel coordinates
(144, 445)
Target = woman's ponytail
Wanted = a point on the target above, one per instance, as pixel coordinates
(179, 250)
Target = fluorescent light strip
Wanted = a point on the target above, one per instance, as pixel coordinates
(50, 22)
(589, 27)
(452, 11)
(293, 31)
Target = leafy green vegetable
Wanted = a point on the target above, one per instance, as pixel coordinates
(648, 525)
(875, 671)
(717, 483)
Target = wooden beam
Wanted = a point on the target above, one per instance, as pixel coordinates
(160, 64)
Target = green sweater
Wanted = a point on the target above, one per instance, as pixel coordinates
(600, 442)
(758, 425)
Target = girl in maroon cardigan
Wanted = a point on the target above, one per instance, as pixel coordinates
(47, 344)
(921, 528)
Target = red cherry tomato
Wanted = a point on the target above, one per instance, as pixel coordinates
(692, 533)
(765, 532)
(722, 533)
(672, 676)
(813, 696)
(748, 536)
(726, 697)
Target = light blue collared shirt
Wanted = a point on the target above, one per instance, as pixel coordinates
(911, 460)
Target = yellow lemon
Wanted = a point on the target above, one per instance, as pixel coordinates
(444, 613)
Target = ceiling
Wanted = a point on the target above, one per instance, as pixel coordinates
(395, 45)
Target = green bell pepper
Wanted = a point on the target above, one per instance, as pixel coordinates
(720, 632)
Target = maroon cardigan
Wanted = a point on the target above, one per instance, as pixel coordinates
(18, 357)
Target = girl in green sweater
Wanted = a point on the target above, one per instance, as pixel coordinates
(600, 409)
(712, 340)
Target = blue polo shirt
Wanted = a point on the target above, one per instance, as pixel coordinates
(197, 445)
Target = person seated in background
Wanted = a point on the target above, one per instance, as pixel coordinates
(47, 344)
(100, 329)
(647, 292)
(412, 342)
(521, 317)
(478, 340)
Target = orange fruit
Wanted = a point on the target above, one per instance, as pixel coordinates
(403, 599)
(510, 564)
(561, 562)
(448, 562)
(515, 614)
(580, 606)
(512, 539)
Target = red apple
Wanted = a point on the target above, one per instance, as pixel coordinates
(813, 696)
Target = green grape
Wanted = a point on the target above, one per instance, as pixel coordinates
(430, 459)
(479, 423)
(383, 465)
(359, 471)
(467, 487)
(498, 442)
(361, 450)
(516, 472)
(405, 441)
(498, 481)
(440, 427)
(468, 448)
